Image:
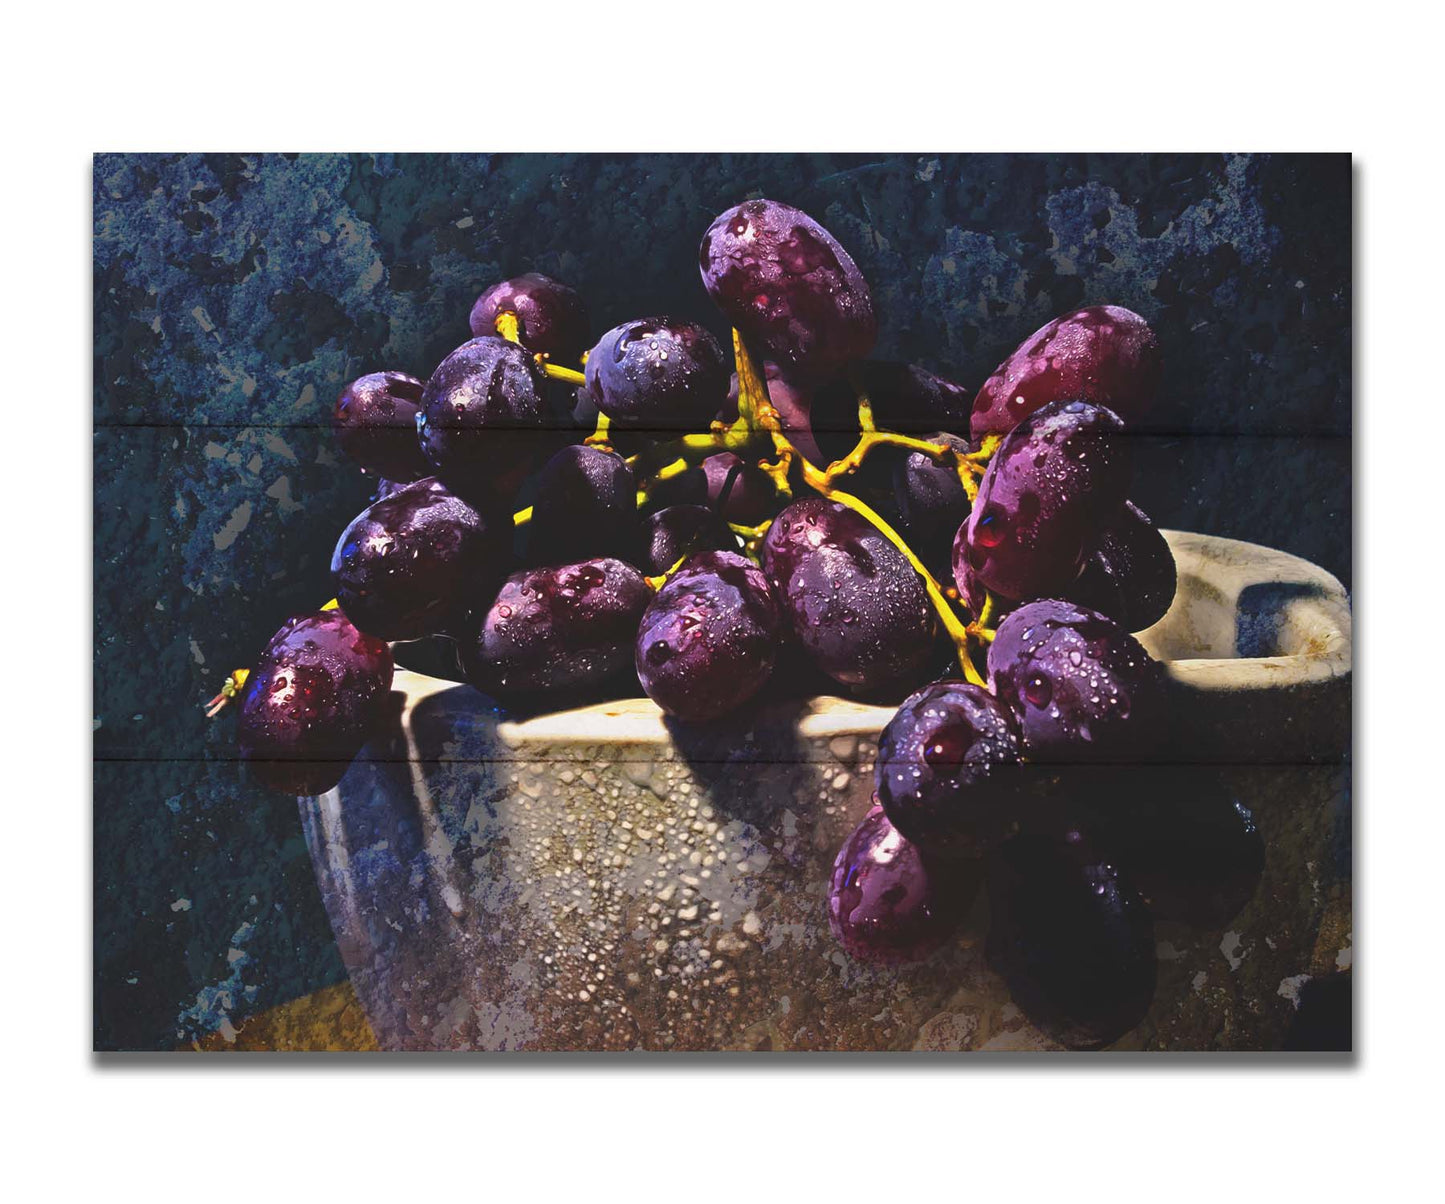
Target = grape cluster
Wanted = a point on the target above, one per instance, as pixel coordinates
(802, 514)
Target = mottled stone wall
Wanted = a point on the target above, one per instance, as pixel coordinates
(235, 294)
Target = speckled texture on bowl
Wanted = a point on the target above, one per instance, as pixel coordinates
(595, 879)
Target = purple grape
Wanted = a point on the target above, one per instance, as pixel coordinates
(586, 505)
(789, 287)
(375, 424)
(1057, 478)
(1105, 354)
(948, 771)
(856, 605)
(410, 565)
(557, 628)
(678, 531)
(931, 502)
(1184, 838)
(887, 903)
(658, 374)
(481, 418)
(709, 639)
(1130, 575)
(1082, 687)
(551, 318)
(315, 695)
(1072, 939)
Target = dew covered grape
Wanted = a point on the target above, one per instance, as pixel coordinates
(410, 564)
(1057, 479)
(887, 902)
(948, 772)
(1105, 354)
(789, 287)
(1082, 687)
(311, 701)
(709, 640)
(558, 627)
(551, 317)
(658, 374)
(375, 424)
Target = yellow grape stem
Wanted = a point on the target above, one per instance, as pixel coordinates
(865, 414)
(656, 583)
(234, 685)
(985, 451)
(600, 437)
(557, 372)
(869, 440)
(665, 473)
(509, 328)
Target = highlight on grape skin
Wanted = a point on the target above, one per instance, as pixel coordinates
(887, 903)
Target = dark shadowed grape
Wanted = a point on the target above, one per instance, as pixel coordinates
(311, 701)
(751, 496)
(658, 374)
(385, 488)
(789, 287)
(709, 639)
(887, 903)
(1055, 481)
(1072, 939)
(410, 564)
(948, 772)
(679, 531)
(1082, 687)
(1185, 839)
(792, 400)
(375, 424)
(481, 418)
(557, 628)
(1130, 574)
(585, 506)
(551, 318)
(931, 502)
(904, 397)
(1104, 354)
(855, 603)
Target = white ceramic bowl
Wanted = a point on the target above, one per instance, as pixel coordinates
(601, 879)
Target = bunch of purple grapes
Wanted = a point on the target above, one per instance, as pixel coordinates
(694, 574)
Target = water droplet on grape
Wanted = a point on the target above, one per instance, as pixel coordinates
(1038, 690)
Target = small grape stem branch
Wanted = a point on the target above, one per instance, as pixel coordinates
(753, 402)
(235, 683)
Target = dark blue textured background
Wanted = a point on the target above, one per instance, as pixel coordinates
(234, 295)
